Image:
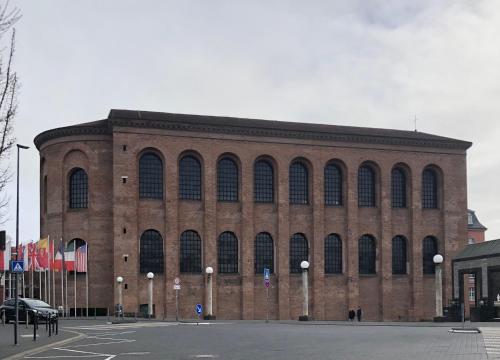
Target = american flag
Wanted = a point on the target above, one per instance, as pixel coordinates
(81, 259)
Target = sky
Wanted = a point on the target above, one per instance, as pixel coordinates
(374, 63)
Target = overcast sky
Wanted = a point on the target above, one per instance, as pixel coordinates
(360, 63)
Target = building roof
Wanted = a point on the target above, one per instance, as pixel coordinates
(252, 127)
(483, 249)
(475, 225)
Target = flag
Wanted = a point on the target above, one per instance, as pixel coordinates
(22, 255)
(32, 259)
(69, 259)
(42, 254)
(81, 259)
(58, 258)
(5, 258)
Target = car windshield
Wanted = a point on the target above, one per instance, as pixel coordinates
(36, 303)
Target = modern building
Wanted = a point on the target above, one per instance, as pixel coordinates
(475, 234)
(174, 194)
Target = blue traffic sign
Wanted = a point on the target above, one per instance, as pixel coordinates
(17, 266)
(199, 309)
(266, 273)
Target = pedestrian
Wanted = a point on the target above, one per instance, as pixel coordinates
(358, 314)
(351, 315)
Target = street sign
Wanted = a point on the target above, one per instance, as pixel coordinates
(199, 309)
(267, 283)
(177, 287)
(177, 281)
(266, 273)
(17, 266)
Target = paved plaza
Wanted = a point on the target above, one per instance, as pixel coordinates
(97, 339)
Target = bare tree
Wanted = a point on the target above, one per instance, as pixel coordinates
(9, 87)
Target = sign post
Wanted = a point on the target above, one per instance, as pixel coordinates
(177, 287)
(266, 284)
(199, 311)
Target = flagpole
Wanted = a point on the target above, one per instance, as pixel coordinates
(10, 285)
(45, 285)
(74, 271)
(24, 288)
(48, 276)
(32, 269)
(4, 283)
(39, 284)
(87, 280)
(62, 282)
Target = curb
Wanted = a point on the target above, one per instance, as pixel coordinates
(46, 346)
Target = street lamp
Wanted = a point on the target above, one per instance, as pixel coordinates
(16, 291)
(150, 294)
(438, 260)
(209, 270)
(119, 280)
(305, 291)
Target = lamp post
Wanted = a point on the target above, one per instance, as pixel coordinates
(305, 291)
(119, 280)
(438, 259)
(150, 294)
(209, 270)
(16, 291)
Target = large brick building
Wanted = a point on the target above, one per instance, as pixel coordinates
(173, 194)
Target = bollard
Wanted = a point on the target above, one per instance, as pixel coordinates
(50, 326)
(46, 324)
(57, 325)
(108, 314)
(3, 318)
(95, 316)
(27, 319)
(35, 325)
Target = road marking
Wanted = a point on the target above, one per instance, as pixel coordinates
(491, 338)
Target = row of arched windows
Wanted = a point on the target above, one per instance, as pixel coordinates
(151, 253)
(190, 183)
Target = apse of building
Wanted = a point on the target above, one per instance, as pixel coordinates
(174, 194)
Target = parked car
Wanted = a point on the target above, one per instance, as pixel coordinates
(29, 306)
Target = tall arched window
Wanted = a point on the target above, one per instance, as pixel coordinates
(398, 188)
(333, 185)
(299, 251)
(333, 254)
(151, 252)
(228, 253)
(78, 189)
(189, 178)
(366, 186)
(366, 254)
(429, 189)
(190, 252)
(264, 253)
(429, 249)
(227, 180)
(150, 177)
(263, 182)
(76, 256)
(298, 183)
(399, 255)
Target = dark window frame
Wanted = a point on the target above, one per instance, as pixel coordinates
(151, 173)
(228, 253)
(263, 253)
(151, 255)
(429, 249)
(333, 254)
(190, 178)
(367, 180)
(299, 251)
(399, 255)
(78, 189)
(228, 181)
(398, 188)
(298, 183)
(263, 180)
(367, 255)
(430, 190)
(333, 176)
(190, 252)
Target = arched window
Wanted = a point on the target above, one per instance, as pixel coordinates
(298, 184)
(151, 252)
(78, 189)
(299, 251)
(398, 188)
(150, 177)
(75, 256)
(399, 255)
(263, 182)
(333, 254)
(228, 253)
(366, 253)
(366, 186)
(333, 185)
(264, 253)
(190, 252)
(189, 178)
(227, 180)
(429, 189)
(429, 249)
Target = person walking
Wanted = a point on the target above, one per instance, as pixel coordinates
(358, 314)
(351, 315)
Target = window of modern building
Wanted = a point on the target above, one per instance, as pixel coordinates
(150, 177)
(471, 241)
(470, 221)
(429, 249)
(263, 182)
(298, 183)
(299, 251)
(472, 294)
(366, 254)
(151, 256)
(264, 253)
(228, 253)
(189, 178)
(429, 189)
(190, 252)
(333, 185)
(366, 186)
(333, 254)
(78, 189)
(399, 255)
(227, 180)
(398, 188)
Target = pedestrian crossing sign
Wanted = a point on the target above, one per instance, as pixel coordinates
(17, 267)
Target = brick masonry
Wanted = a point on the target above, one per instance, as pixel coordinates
(114, 205)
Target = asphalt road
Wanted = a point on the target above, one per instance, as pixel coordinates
(247, 340)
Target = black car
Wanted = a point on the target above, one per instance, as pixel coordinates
(28, 307)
